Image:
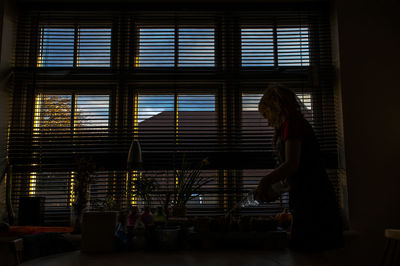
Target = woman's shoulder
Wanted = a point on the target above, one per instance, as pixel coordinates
(295, 128)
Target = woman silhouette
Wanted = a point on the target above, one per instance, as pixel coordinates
(317, 224)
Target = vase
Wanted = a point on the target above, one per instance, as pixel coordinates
(76, 221)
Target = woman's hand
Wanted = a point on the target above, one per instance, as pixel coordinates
(264, 191)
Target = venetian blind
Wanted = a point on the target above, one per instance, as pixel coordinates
(186, 84)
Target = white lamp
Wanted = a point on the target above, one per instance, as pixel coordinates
(134, 156)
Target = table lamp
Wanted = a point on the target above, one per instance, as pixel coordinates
(134, 160)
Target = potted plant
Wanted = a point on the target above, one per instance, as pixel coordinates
(144, 189)
(188, 182)
(85, 168)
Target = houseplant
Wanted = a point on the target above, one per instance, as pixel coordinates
(188, 182)
(144, 188)
(85, 168)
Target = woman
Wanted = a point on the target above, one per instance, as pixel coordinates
(316, 220)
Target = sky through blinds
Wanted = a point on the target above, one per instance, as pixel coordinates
(258, 47)
(158, 47)
(94, 47)
(57, 47)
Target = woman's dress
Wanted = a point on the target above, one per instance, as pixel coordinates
(317, 223)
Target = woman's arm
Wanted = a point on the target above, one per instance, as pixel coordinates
(285, 170)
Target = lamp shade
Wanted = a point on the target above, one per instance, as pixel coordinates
(134, 155)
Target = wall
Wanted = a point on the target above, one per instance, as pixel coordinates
(367, 45)
(7, 42)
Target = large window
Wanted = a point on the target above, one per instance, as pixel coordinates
(183, 83)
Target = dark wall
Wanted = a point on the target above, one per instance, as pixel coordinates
(7, 41)
(368, 42)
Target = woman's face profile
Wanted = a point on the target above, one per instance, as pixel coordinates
(270, 115)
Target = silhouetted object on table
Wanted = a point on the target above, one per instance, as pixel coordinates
(391, 255)
(98, 231)
(31, 211)
(134, 160)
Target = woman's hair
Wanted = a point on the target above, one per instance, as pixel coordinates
(281, 101)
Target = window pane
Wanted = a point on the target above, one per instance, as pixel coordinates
(94, 47)
(197, 123)
(256, 134)
(55, 187)
(196, 103)
(56, 47)
(293, 47)
(156, 47)
(156, 122)
(52, 114)
(196, 48)
(92, 112)
(257, 47)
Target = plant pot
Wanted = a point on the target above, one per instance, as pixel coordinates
(98, 231)
(202, 224)
(168, 237)
(76, 221)
(179, 211)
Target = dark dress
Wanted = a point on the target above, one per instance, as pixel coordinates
(317, 223)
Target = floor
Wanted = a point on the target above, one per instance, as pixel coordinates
(196, 258)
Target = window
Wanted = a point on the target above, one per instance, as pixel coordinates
(171, 121)
(269, 47)
(58, 49)
(65, 125)
(58, 114)
(293, 46)
(257, 47)
(183, 81)
(158, 47)
(92, 113)
(196, 48)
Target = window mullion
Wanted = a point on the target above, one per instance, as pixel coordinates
(176, 117)
(176, 46)
(275, 40)
(76, 39)
(73, 111)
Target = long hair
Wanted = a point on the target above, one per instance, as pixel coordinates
(282, 103)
